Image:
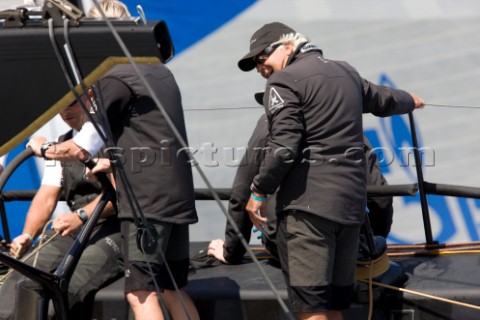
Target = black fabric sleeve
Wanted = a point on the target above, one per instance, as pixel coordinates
(380, 208)
(384, 101)
(249, 166)
(287, 130)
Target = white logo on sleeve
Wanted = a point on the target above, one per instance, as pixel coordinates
(275, 101)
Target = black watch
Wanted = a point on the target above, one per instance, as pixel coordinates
(44, 147)
(82, 215)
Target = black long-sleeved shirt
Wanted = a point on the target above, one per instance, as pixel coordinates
(314, 106)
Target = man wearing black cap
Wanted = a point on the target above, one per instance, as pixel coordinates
(231, 251)
(314, 108)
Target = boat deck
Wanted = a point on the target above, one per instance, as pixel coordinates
(240, 292)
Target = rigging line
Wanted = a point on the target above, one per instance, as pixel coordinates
(141, 13)
(80, 82)
(76, 72)
(42, 237)
(432, 246)
(70, 56)
(27, 257)
(161, 300)
(434, 252)
(69, 81)
(132, 200)
(455, 302)
(159, 105)
(451, 106)
(222, 108)
(79, 79)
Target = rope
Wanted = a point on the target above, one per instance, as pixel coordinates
(40, 243)
(451, 106)
(222, 108)
(432, 246)
(34, 251)
(395, 251)
(438, 105)
(202, 174)
(259, 107)
(463, 304)
(438, 249)
(369, 269)
(430, 252)
(370, 292)
(434, 249)
(372, 268)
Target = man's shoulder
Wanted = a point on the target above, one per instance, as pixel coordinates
(119, 70)
(128, 69)
(128, 75)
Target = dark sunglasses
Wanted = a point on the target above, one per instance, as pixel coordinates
(260, 59)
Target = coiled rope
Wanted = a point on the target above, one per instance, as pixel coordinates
(34, 251)
(367, 270)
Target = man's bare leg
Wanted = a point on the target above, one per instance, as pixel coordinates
(329, 315)
(175, 307)
(145, 305)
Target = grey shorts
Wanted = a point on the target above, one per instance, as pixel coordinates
(143, 270)
(318, 260)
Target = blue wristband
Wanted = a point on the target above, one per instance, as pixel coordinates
(257, 198)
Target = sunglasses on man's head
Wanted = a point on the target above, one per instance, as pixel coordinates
(263, 56)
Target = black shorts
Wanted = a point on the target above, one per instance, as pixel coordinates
(318, 260)
(143, 270)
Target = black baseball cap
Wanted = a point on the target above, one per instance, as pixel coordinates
(261, 39)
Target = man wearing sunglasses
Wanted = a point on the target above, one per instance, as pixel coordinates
(231, 251)
(314, 108)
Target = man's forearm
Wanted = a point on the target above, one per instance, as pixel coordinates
(41, 209)
(67, 150)
(107, 211)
